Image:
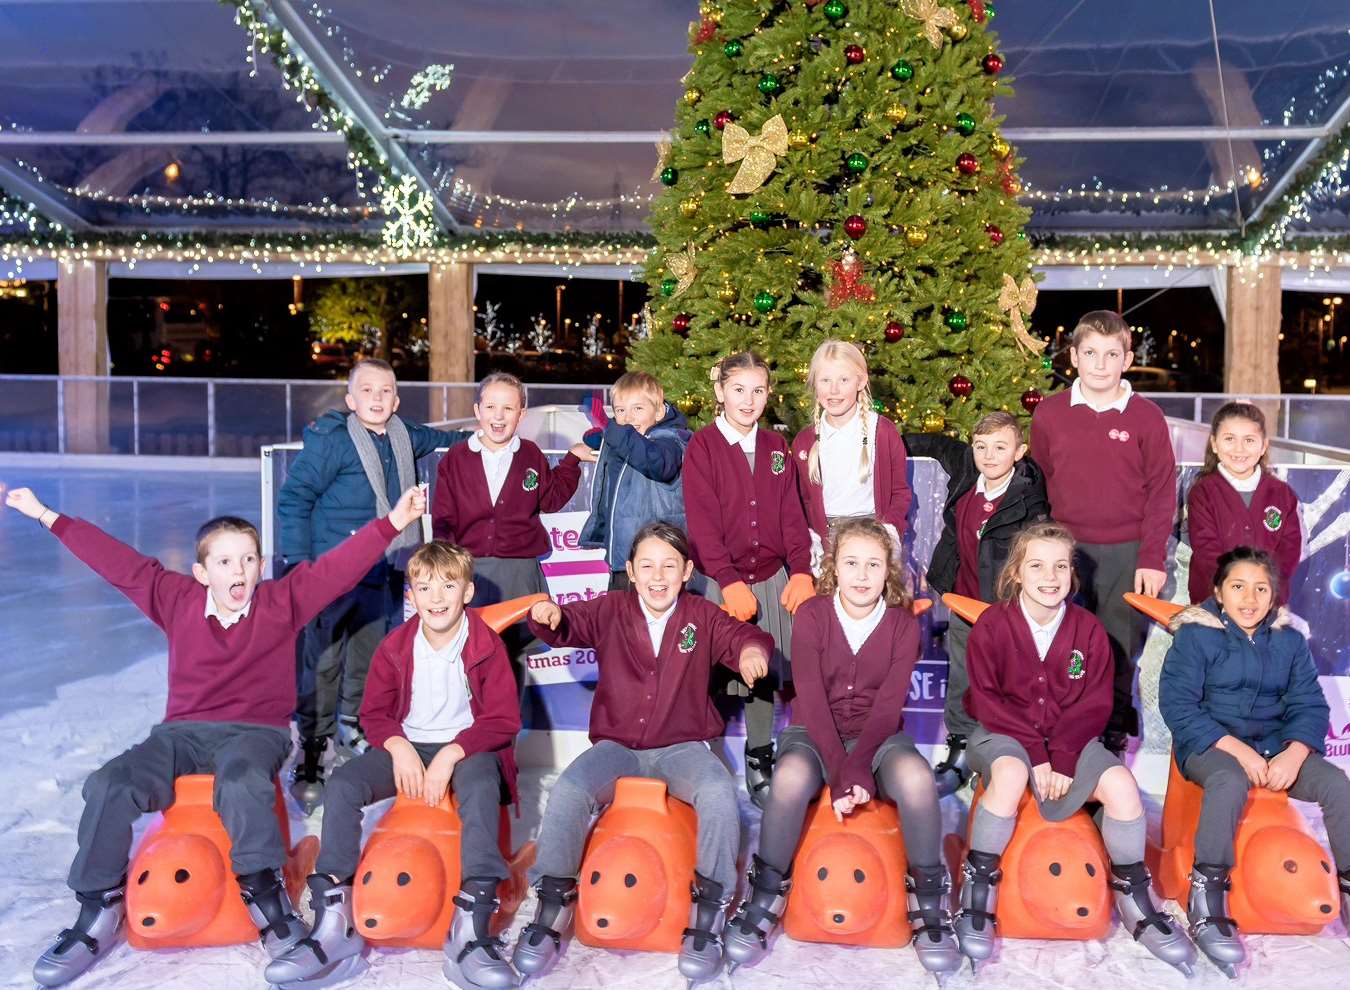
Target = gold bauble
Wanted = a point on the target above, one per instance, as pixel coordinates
(934, 422)
(1012, 185)
(1000, 148)
(798, 139)
(690, 206)
(896, 113)
(687, 404)
(709, 12)
(958, 32)
(727, 294)
(916, 236)
(692, 96)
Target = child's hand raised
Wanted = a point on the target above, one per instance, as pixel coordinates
(25, 501)
(582, 452)
(754, 665)
(546, 614)
(410, 508)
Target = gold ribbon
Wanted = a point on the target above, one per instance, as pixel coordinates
(1018, 301)
(662, 153)
(682, 267)
(935, 19)
(757, 155)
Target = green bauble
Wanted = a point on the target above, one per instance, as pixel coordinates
(1047, 363)
(956, 320)
(878, 406)
(965, 123)
(769, 84)
(668, 286)
(856, 162)
(702, 127)
(759, 217)
(835, 10)
(733, 48)
(902, 71)
(669, 176)
(765, 301)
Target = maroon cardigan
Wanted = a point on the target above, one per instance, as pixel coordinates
(492, 693)
(842, 696)
(1012, 693)
(463, 513)
(890, 489)
(643, 700)
(744, 527)
(1218, 521)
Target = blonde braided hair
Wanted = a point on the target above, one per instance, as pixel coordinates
(852, 355)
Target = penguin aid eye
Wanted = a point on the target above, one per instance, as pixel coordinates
(1290, 866)
(1056, 869)
(629, 880)
(859, 876)
(595, 877)
(181, 876)
(1091, 870)
(822, 873)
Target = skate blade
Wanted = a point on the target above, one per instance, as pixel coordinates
(339, 972)
(456, 978)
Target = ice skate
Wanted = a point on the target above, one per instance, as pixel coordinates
(758, 772)
(1152, 927)
(746, 935)
(472, 956)
(351, 738)
(540, 941)
(307, 775)
(975, 932)
(1344, 880)
(331, 952)
(701, 949)
(954, 770)
(279, 926)
(96, 932)
(1215, 934)
(934, 939)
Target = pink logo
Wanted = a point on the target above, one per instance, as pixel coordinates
(1114, 434)
(1124, 436)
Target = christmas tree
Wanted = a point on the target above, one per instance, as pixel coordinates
(836, 170)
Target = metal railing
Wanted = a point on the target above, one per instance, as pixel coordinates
(1316, 419)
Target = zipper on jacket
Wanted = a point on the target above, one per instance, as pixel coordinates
(612, 509)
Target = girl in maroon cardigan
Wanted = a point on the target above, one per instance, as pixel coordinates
(1236, 501)
(749, 535)
(850, 461)
(1041, 688)
(854, 649)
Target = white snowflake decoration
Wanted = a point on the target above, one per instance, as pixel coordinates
(498, 336)
(432, 79)
(541, 334)
(407, 208)
(591, 341)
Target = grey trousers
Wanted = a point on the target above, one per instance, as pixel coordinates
(245, 760)
(691, 773)
(477, 785)
(1226, 787)
(1105, 574)
(954, 714)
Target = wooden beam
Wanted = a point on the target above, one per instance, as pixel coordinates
(82, 349)
(1251, 354)
(450, 331)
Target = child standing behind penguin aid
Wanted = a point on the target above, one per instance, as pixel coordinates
(850, 461)
(993, 493)
(748, 535)
(854, 648)
(1040, 688)
(652, 716)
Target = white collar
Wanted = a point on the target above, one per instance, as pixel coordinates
(733, 436)
(1051, 627)
(1077, 398)
(857, 631)
(452, 650)
(852, 425)
(998, 493)
(476, 445)
(652, 617)
(1249, 484)
(225, 620)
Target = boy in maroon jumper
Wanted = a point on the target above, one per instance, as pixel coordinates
(231, 695)
(1111, 477)
(441, 710)
(652, 716)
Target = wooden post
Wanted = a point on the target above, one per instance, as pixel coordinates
(82, 349)
(450, 331)
(1251, 356)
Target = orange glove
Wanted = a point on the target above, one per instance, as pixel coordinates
(800, 589)
(738, 601)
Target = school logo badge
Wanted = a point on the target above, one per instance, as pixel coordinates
(531, 481)
(1273, 518)
(1076, 668)
(777, 462)
(688, 638)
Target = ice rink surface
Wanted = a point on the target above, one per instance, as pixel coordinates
(83, 678)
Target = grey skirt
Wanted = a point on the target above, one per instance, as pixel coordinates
(985, 747)
(498, 579)
(796, 737)
(772, 617)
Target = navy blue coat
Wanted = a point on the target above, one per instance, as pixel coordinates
(1216, 682)
(326, 496)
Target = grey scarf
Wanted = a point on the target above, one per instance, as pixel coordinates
(401, 549)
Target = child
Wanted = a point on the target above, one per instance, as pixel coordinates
(231, 694)
(637, 471)
(854, 648)
(1240, 694)
(1236, 501)
(1111, 477)
(652, 716)
(748, 534)
(441, 713)
(850, 461)
(993, 492)
(1040, 688)
(353, 466)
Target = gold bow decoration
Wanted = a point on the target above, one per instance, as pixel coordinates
(662, 153)
(935, 19)
(1018, 301)
(758, 155)
(681, 265)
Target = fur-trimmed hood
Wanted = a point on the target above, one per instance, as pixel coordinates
(1207, 613)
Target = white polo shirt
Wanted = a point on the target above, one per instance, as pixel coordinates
(439, 710)
(1041, 635)
(856, 631)
(656, 624)
(840, 462)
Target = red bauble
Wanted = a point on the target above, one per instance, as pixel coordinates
(1031, 398)
(976, 10)
(855, 226)
(961, 386)
(723, 118)
(680, 323)
(894, 332)
(992, 63)
(995, 234)
(967, 164)
(1011, 184)
(854, 54)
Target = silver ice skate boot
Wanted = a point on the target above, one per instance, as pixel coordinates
(351, 738)
(758, 772)
(331, 952)
(269, 905)
(934, 939)
(1152, 927)
(307, 775)
(472, 956)
(746, 935)
(96, 932)
(1215, 934)
(540, 941)
(701, 948)
(980, 878)
(954, 770)
(1344, 880)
